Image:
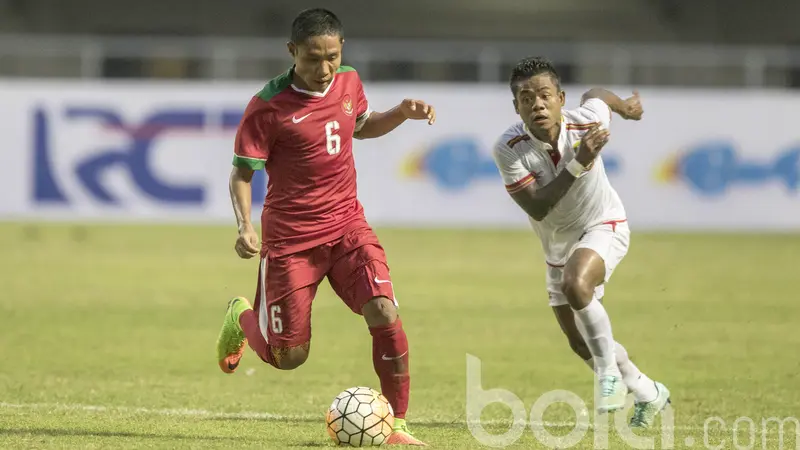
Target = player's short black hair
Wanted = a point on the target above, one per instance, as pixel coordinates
(315, 22)
(530, 67)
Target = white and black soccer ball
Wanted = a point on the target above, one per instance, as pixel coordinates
(360, 417)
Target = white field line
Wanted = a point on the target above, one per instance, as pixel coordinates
(202, 413)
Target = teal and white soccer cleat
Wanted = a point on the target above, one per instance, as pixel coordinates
(232, 341)
(644, 414)
(611, 395)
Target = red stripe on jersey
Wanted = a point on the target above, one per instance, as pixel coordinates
(517, 139)
(521, 184)
(581, 126)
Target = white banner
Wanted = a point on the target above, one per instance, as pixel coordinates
(712, 159)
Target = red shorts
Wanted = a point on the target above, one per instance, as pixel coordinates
(355, 265)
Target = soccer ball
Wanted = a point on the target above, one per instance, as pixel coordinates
(360, 417)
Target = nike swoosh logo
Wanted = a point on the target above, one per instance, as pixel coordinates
(382, 281)
(296, 120)
(386, 358)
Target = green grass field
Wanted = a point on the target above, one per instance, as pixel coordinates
(108, 338)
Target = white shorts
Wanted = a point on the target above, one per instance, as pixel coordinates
(610, 241)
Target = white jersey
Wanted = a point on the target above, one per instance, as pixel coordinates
(524, 160)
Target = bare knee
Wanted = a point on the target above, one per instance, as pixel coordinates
(584, 271)
(578, 290)
(290, 358)
(379, 311)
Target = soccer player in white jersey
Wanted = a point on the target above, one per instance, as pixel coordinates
(551, 165)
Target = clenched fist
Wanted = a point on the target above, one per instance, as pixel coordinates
(247, 242)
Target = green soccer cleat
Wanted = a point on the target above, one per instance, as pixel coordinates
(644, 414)
(402, 436)
(612, 392)
(232, 341)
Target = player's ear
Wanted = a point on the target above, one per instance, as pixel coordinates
(292, 48)
(563, 97)
(516, 106)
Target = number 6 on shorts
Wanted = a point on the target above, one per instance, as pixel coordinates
(275, 319)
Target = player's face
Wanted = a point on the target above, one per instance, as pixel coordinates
(538, 102)
(317, 60)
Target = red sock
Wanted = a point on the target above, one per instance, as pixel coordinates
(249, 322)
(390, 358)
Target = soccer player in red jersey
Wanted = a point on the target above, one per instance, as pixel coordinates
(300, 128)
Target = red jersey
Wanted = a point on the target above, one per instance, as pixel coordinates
(304, 140)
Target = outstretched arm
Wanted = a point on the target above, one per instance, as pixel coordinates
(381, 123)
(629, 109)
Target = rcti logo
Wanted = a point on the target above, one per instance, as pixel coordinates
(456, 163)
(132, 147)
(712, 168)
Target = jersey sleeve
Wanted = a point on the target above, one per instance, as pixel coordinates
(253, 137)
(596, 110)
(515, 176)
(362, 106)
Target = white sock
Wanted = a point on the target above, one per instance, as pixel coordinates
(595, 326)
(642, 387)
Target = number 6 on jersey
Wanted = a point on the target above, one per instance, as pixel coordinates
(332, 139)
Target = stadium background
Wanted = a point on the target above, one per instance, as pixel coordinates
(124, 113)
